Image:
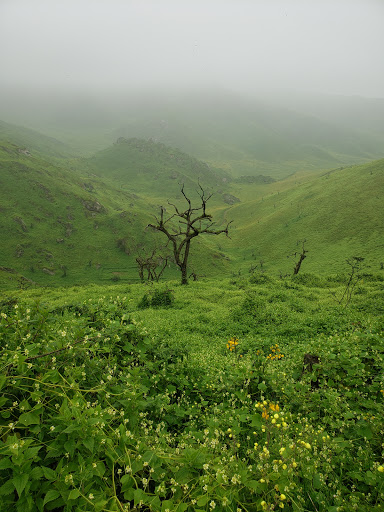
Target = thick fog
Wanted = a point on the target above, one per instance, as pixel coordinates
(328, 46)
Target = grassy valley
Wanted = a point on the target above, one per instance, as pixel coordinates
(339, 213)
(84, 220)
(250, 389)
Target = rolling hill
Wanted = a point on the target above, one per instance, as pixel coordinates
(62, 224)
(339, 213)
(147, 166)
(31, 141)
(85, 220)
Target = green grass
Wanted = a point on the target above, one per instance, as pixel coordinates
(85, 220)
(140, 405)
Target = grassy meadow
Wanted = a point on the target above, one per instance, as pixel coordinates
(243, 394)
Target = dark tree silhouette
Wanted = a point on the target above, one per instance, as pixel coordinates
(302, 257)
(182, 226)
(154, 265)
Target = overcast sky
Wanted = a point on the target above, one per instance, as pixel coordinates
(331, 46)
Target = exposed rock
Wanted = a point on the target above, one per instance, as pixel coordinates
(20, 221)
(48, 271)
(24, 151)
(7, 269)
(47, 194)
(88, 186)
(19, 251)
(255, 179)
(230, 199)
(93, 206)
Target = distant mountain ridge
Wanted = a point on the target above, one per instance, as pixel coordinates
(273, 136)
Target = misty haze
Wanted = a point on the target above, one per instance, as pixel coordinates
(192, 255)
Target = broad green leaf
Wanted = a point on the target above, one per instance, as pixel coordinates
(36, 473)
(167, 504)
(74, 494)
(100, 505)
(49, 473)
(50, 496)
(7, 488)
(317, 482)
(20, 482)
(3, 380)
(30, 453)
(201, 502)
(254, 485)
(70, 446)
(181, 507)
(139, 495)
(29, 418)
(5, 464)
(89, 443)
(71, 429)
(256, 420)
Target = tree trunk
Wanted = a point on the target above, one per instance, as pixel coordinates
(184, 264)
(184, 277)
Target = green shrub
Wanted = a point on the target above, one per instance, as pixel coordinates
(310, 280)
(157, 299)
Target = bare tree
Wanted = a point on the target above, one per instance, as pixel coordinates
(183, 225)
(153, 264)
(302, 257)
(356, 265)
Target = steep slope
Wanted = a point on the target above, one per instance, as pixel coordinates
(64, 226)
(55, 223)
(30, 141)
(339, 213)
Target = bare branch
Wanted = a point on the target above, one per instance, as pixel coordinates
(192, 222)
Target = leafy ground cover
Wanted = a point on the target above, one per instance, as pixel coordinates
(250, 394)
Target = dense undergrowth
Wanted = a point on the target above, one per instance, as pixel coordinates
(245, 395)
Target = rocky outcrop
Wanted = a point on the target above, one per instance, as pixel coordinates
(20, 221)
(230, 199)
(93, 207)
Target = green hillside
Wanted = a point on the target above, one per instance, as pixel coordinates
(151, 168)
(86, 220)
(340, 213)
(32, 142)
(248, 136)
(64, 226)
(58, 224)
